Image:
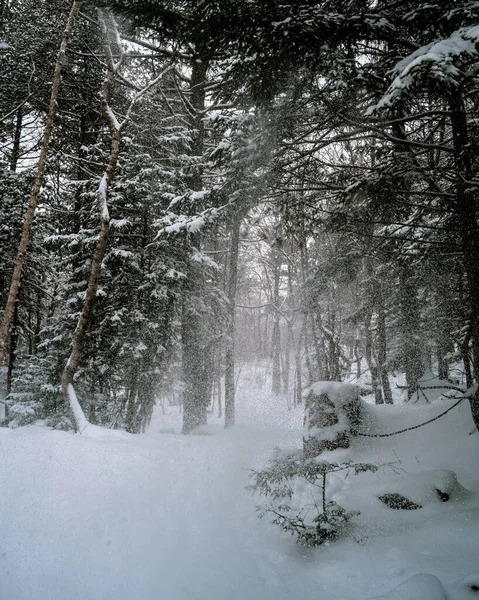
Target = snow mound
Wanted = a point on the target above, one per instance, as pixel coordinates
(424, 487)
(338, 392)
(472, 583)
(418, 587)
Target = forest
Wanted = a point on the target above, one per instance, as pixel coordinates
(234, 232)
(190, 186)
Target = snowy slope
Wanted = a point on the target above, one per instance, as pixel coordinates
(166, 517)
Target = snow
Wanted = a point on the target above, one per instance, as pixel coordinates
(76, 409)
(191, 224)
(196, 196)
(340, 394)
(160, 516)
(438, 57)
(3, 381)
(430, 386)
(112, 118)
(102, 191)
(200, 257)
(418, 587)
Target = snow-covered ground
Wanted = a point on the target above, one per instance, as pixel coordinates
(160, 516)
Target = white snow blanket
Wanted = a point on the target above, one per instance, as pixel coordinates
(112, 516)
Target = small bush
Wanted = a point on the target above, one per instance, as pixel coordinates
(20, 415)
(295, 487)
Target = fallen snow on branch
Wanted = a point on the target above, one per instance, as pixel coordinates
(102, 191)
(437, 60)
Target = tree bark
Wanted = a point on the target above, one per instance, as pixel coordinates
(95, 270)
(231, 321)
(195, 356)
(12, 355)
(276, 332)
(23, 245)
(466, 206)
(382, 351)
(17, 136)
(409, 324)
(370, 360)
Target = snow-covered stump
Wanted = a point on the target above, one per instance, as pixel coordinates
(332, 415)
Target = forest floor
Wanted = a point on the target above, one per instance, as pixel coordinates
(160, 516)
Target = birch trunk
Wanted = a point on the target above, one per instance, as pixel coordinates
(75, 411)
(23, 245)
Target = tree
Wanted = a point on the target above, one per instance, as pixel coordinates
(22, 248)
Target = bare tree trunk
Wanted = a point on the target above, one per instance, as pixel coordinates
(13, 336)
(22, 248)
(195, 357)
(319, 350)
(218, 387)
(231, 324)
(12, 355)
(276, 332)
(409, 324)
(467, 208)
(312, 372)
(286, 363)
(371, 362)
(17, 136)
(131, 424)
(298, 365)
(382, 351)
(357, 356)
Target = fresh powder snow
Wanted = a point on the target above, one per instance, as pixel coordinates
(160, 516)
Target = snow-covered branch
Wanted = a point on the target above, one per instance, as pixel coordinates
(440, 61)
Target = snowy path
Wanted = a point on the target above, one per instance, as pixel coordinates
(125, 518)
(166, 517)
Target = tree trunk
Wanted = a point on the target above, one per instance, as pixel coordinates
(357, 355)
(298, 365)
(319, 351)
(17, 136)
(195, 397)
(276, 333)
(370, 360)
(409, 324)
(287, 359)
(382, 351)
(22, 248)
(231, 322)
(313, 374)
(73, 407)
(195, 360)
(276, 357)
(466, 205)
(12, 355)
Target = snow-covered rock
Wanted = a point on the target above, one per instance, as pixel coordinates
(332, 415)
